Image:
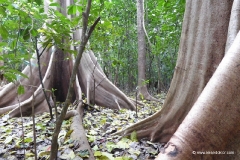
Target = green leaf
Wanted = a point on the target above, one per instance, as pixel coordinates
(29, 154)
(23, 14)
(133, 136)
(83, 153)
(10, 76)
(110, 146)
(79, 8)
(41, 30)
(20, 90)
(26, 34)
(91, 138)
(55, 4)
(68, 134)
(103, 121)
(34, 32)
(69, 155)
(28, 140)
(108, 24)
(43, 153)
(13, 43)
(97, 154)
(39, 2)
(17, 73)
(72, 9)
(3, 32)
(123, 143)
(134, 152)
(3, 44)
(8, 140)
(3, 11)
(107, 155)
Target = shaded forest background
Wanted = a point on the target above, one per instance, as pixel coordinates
(115, 41)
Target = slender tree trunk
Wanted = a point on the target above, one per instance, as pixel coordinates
(1, 72)
(142, 87)
(141, 48)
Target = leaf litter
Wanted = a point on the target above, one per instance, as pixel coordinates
(99, 123)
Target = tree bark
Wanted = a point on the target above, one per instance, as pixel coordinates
(202, 47)
(234, 24)
(142, 87)
(213, 122)
(1, 72)
(56, 71)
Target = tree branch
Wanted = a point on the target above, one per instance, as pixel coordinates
(41, 79)
(61, 117)
(93, 27)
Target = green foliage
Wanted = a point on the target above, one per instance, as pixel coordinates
(22, 23)
(16, 28)
(145, 82)
(166, 21)
(133, 136)
(20, 90)
(115, 41)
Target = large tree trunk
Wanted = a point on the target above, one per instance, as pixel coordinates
(202, 47)
(211, 129)
(212, 126)
(56, 70)
(59, 70)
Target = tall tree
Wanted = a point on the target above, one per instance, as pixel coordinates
(56, 65)
(56, 75)
(211, 128)
(212, 123)
(141, 32)
(202, 47)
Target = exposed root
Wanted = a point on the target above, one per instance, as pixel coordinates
(26, 99)
(79, 135)
(71, 114)
(192, 71)
(9, 90)
(144, 94)
(151, 98)
(158, 127)
(106, 94)
(104, 89)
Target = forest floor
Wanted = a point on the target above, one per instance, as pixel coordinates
(99, 123)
